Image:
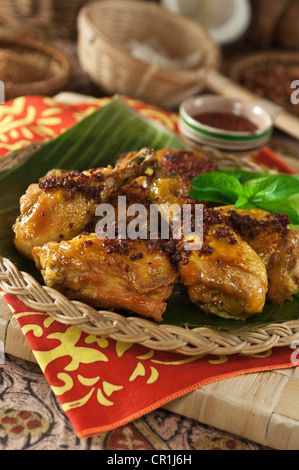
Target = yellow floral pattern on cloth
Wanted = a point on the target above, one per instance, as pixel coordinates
(68, 346)
(23, 121)
(29, 119)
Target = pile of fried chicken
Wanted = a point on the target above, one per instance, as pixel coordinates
(246, 258)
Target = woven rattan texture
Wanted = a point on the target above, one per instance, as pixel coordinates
(138, 330)
(29, 67)
(56, 18)
(106, 28)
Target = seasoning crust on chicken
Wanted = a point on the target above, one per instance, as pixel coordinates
(276, 245)
(114, 274)
(63, 204)
(224, 275)
(245, 258)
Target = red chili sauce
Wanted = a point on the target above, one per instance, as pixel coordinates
(226, 121)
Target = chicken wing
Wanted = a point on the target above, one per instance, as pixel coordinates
(119, 274)
(186, 163)
(276, 245)
(225, 276)
(63, 204)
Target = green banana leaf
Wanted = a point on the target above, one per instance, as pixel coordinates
(93, 142)
(182, 312)
(96, 141)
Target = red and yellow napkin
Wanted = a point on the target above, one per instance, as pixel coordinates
(100, 383)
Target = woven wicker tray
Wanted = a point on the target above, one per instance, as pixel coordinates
(32, 67)
(189, 342)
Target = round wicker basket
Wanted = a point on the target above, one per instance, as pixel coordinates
(106, 28)
(268, 74)
(56, 18)
(29, 67)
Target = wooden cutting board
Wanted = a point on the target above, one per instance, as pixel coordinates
(262, 407)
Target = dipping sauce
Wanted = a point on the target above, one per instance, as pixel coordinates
(226, 122)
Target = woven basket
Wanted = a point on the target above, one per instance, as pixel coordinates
(277, 90)
(136, 330)
(106, 27)
(29, 67)
(57, 18)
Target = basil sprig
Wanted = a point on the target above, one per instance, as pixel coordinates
(247, 190)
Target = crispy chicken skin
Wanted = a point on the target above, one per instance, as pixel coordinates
(63, 204)
(186, 163)
(228, 280)
(109, 273)
(225, 276)
(276, 245)
(49, 216)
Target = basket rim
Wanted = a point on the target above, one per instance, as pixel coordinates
(262, 58)
(63, 74)
(259, 61)
(213, 56)
(133, 330)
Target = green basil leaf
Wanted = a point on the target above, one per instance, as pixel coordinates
(244, 203)
(274, 188)
(216, 187)
(242, 175)
(247, 177)
(280, 206)
(293, 201)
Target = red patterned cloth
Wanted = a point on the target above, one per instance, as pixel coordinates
(101, 383)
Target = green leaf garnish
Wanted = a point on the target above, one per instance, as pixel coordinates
(216, 187)
(247, 190)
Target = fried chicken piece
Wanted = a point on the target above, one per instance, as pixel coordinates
(112, 274)
(63, 204)
(187, 164)
(223, 276)
(226, 277)
(276, 245)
